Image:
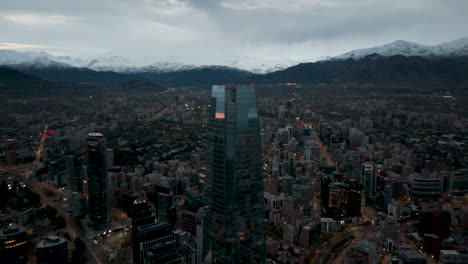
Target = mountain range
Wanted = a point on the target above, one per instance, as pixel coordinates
(396, 63)
(17, 59)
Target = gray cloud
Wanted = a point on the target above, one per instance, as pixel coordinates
(209, 31)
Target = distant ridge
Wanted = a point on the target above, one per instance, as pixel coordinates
(376, 69)
(456, 48)
(397, 63)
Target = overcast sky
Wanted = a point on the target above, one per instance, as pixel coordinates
(211, 31)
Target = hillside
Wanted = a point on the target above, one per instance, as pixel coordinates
(375, 69)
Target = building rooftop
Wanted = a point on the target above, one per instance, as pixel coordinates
(412, 254)
(95, 134)
(11, 230)
(50, 241)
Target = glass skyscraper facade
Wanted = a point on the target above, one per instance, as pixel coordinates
(234, 219)
(97, 181)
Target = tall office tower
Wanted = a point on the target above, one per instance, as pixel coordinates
(165, 201)
(142, 215)
(351, 162)
(353, 198)
(369, 178)
(97, 182)
(234, 220)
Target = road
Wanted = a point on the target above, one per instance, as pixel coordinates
(158, 115)
(324, 151)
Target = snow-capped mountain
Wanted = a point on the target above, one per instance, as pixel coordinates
(168, 65)
(457, 47)
(123, 65)
(263, 66)
(30, 58)
(260, 66)
(119, 64)
(113, 63)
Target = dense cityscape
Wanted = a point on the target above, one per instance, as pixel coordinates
(233, 132)
(369, 179)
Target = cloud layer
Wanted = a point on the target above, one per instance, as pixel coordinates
(210, 31)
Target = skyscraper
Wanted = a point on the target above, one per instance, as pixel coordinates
(154, 243)
(74, 174)
(369, 178)
(97, 182)
(234, 219)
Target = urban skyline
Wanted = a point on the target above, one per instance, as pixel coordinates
(222, 131)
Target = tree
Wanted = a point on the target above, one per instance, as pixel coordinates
(58, 222)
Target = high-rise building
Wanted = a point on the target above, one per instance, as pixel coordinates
(369, 178)
(435, 221)
(426, 188)
(74, 174)
(52, 249)
(142, 215)
(13, 247)
(165, 202)
(351, 165)
(97, 181)
(234, 219)
(78, 205)
(353, 198)
(459, 182)
(154, 243)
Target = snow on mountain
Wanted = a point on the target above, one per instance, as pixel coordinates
(168, 65)
(119, 64)
(30, 58)
(113, 63)
(122, 65)
(261, 65)
(457, 47)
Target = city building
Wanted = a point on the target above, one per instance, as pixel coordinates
(13, 247)
(453, 256)
(154, 243)
(459, 182)
(165, 202)
(363, 251)
(328, 225)
(74, 173)
(411, 257)
(51, 250)
(435, 221)
(390, 229)
(97, 182)
(189, 217)
(353, 198)
(369, 178)
(426, 188)
(234, 220)
(78, 205)
(351, 162)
